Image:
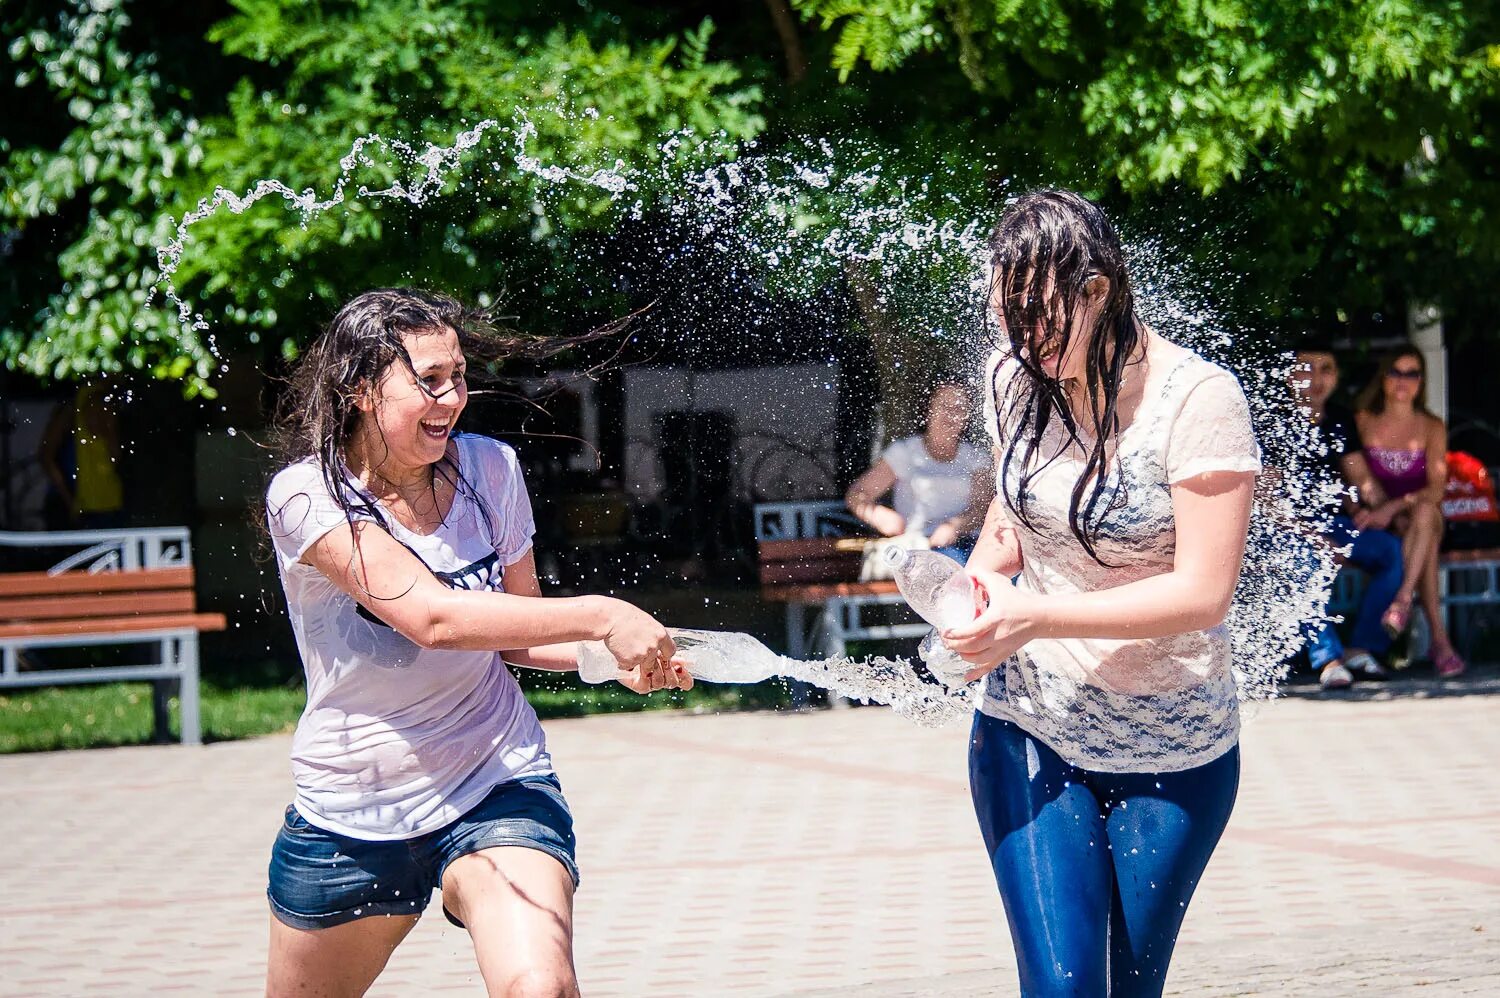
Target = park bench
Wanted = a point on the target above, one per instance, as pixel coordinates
(809, 562)
(1469, 587)
(124, 587)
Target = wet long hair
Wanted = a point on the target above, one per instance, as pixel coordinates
(318, 414)
(1372, 398)
(1044, 252)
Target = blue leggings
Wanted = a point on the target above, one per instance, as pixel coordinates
(1095, 869)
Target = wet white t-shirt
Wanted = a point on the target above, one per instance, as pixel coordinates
(928, 491)
(398, 740)
(1118, 705)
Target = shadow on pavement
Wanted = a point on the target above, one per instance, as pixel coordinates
(1416, 682)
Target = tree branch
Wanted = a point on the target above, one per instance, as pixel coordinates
(791, 45)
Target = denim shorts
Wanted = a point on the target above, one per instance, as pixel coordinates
(319, 879)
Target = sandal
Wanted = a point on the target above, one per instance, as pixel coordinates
(1448, 664)
(1396, 618)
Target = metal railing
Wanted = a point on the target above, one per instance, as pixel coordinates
(109, 550)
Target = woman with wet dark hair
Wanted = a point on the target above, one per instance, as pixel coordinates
(404, 548)
(1104, 760)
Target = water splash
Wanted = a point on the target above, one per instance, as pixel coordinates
(793, 219)
(734, 657)
(434, 162)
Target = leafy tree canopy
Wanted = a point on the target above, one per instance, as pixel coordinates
(1337, 157)
(318, 76)
(1351, 143)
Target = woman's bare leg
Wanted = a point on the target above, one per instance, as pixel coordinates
(1419, 542)
(518, 906)
(1430, 582)
(338, 962)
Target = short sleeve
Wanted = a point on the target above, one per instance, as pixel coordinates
(509, 502)
(299, 511)
(1212, 431)
(999, 389)
(975, 459)
(901, 456)
(991, 421)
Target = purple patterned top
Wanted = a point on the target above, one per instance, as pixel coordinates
(1400, 472)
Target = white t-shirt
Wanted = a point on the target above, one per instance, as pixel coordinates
(929, 491)
(398, 740)
(1115, 705)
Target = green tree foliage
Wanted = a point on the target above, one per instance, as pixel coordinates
(1337, 156)
(113, 171)
(318, 76)
(1351, 142)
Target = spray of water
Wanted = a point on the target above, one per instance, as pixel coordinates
(791, 220)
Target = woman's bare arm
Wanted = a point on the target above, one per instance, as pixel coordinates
(1212, 513)
(998, 548)
(391, 582)
(1437, 464)
(863, 499)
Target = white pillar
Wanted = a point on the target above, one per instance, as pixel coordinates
(1424, 324)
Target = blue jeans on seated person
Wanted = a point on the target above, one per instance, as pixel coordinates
(320, 879)
(960, 550)
(1378, 554)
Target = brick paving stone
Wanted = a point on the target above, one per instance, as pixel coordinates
(825, 854)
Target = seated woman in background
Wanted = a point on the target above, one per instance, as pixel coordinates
(1406, 448)
(939, 483)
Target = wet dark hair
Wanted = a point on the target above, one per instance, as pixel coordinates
(1372, 398)
(317, 415)
(1047, 247)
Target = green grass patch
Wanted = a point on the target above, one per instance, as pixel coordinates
(105, 714)
(98, 715)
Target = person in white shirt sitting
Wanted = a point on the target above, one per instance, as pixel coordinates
(938, 482)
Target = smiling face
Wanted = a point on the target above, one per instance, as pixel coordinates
(1058, 357)
(1314, 377)
(411, 412)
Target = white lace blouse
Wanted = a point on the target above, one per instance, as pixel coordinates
(1151, 705)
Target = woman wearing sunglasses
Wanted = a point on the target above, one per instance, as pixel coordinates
(1406, 447)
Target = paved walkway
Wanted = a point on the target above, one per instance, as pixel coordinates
(829, 854)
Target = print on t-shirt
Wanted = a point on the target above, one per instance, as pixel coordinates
(484, 575)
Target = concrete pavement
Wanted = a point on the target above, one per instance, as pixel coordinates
(828, 854)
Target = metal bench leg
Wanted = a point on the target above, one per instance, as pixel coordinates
(187, 651)
(796, 647)
(833, 641)
(162, 691)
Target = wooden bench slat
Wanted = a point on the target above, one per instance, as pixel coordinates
(813, 547)
(1471, 555)
(816, 570)
(86, 583)
(110, 625)
(18, 609)
(825, 590)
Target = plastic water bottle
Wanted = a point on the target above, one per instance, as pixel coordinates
(711, 656)
(941, 592)
(934, 585)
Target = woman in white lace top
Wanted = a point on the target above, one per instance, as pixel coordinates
(1104, 759)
